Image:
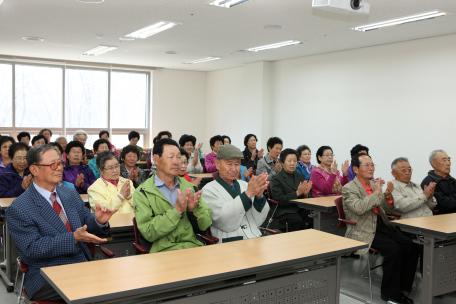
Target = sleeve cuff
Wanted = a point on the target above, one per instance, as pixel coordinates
(246, 201)
(259, 203)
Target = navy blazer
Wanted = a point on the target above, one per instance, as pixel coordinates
(41, 238)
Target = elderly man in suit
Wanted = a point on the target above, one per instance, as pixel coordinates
(50, 224)
(365, 204)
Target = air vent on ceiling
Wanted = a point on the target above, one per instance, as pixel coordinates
(273, 27)
(172, 52)
(90, 1)
(33, 38)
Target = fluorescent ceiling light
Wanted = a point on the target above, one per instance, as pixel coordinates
(227, 3)
(153, 29)
(274, 46)
(99, 50)
(402, 20)
(202, 60)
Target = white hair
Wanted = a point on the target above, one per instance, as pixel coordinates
(399, 159)
(79, 132)
(433, 155)
(57, 139)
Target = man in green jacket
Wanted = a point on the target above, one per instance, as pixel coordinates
(168, 211)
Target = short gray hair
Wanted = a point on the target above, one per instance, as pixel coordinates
(105, 156)
(57, 139)
(433, 155)
(399, 159)
(34, 155)
(80, 132)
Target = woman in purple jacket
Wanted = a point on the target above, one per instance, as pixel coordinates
(16, 177)
(214, 142)
(75, 171)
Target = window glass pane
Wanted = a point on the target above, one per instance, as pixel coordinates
(6, 92)
(121, 140)
(128, 100)
(86, 99)
(38, 96)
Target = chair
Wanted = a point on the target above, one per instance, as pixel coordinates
(149, 163)
(145, 247)
(214, 175)
(21, 266)
(273, 204)
(342, 224)
(204, 168)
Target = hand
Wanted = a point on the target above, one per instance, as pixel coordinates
(257, 185)
(260, 153)
(193, 200)
(344, 168)
(27, 181)
(254, 154)
(429, 190)
(126, 189)
(248, 173)
(195, 156)
(199, 147)
(135, 174)
(81, 235)
(182, 199)
(378, 186)
(79, 181)
(307, 188)
(389, 190)
(197, 181)
(334, 167)
(278, 166)
(304, 188)
(103, 214)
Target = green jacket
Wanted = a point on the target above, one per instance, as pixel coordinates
(160, 223)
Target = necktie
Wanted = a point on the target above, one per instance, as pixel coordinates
(60, 212)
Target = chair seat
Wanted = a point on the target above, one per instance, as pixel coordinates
(39, 302)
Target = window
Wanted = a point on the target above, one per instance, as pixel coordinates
(128, 100)
(38, 96)
(86, 99)
(6, 95)
(121, 141)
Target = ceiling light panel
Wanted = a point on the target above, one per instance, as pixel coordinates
(202, 60)
(274, 45)
(153, 29)
(99, 50)
(402, 20)
(227, 3)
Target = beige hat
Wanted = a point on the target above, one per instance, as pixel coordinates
(229, 152)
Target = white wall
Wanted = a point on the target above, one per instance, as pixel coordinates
(179, 103)
(397, 99)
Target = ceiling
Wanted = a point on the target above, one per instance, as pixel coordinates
(70, 28)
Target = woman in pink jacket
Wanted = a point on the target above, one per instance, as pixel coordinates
(209, 162)
(326, 179)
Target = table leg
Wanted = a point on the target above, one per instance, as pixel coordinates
(338, 270)
(317, 220)
(428, 270)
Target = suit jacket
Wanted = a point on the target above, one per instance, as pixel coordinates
(284, 189)
(41, 238)
(359, 208)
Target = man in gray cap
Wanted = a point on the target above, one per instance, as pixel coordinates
(238, 208)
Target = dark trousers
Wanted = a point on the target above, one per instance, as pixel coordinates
(400, 258)
(297, 221)
(47, 293)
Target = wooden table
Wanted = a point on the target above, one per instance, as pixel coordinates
(121, 221)
(278, 267)
(10, 253)
(318, 205)
(439, 261)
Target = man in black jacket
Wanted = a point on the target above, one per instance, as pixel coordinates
(445, 190)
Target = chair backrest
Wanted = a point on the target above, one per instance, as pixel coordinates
(253, 172)
(149, 163)
(269, 191)
(139, 238)
(214, 175)
(340, 210)
(204, 168)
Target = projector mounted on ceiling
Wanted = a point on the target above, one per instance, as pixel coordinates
(343, 6)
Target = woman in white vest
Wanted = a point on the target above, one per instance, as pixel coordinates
(238, 208)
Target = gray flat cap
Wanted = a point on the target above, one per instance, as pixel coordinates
(229, 152)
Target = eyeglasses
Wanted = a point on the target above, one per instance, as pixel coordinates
(308, 154)
(112, 168)
(368, 165)
(328, 155)
(20, 159)
(53, 165)
(184, 163)
(405, 170)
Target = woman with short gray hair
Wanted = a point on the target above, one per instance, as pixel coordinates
(81, 135)
(111, 190)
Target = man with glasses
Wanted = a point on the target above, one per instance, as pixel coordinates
(445, 188)
(409, 199)
(50, 224)
(366, 204)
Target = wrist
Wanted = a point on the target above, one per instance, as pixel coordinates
(248, 193)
